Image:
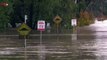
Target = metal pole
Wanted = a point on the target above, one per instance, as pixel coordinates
(57, 28)
(40, 37)
(74, 35)
(25, 18)
(40, 48)
(25, 47)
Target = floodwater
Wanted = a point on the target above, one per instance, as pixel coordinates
(93, 41)
(91, 44)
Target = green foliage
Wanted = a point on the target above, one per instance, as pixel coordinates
(5, 12)
(48, 9)
(86, 18)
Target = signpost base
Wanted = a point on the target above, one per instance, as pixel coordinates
(40, 37)
(25, 40)
(74, 33)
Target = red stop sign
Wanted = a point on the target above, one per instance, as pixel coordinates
(41, 25)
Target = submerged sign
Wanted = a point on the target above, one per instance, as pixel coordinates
(41, 25)
(24, 29)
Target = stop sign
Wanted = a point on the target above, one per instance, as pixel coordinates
(41, 25)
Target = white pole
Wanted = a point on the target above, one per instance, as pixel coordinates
(40, 56)
(25, 19)
(74, 34)
(40, 37)
(25, 48)
(75, 1)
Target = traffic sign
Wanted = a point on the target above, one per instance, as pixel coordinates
(57, 19)
(74, 22)
(24, 29)
(41, 25)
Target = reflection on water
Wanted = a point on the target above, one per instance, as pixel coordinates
(41, 52)
(101, 51)
(93, 41)
(101, 39)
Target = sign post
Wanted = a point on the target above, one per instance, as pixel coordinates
(41, 28)
(74, 24)
(24, 31)
(26, 19)
(25, 39)
(25, 47)
(57, 21)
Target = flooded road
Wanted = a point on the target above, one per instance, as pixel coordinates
(91, 44)
(93, 40)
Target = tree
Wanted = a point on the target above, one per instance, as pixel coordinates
(48, 9)
(5, 11)
(86, 18)
(44, 9)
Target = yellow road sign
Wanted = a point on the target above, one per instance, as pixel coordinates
(57, 19)
(24, 29)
